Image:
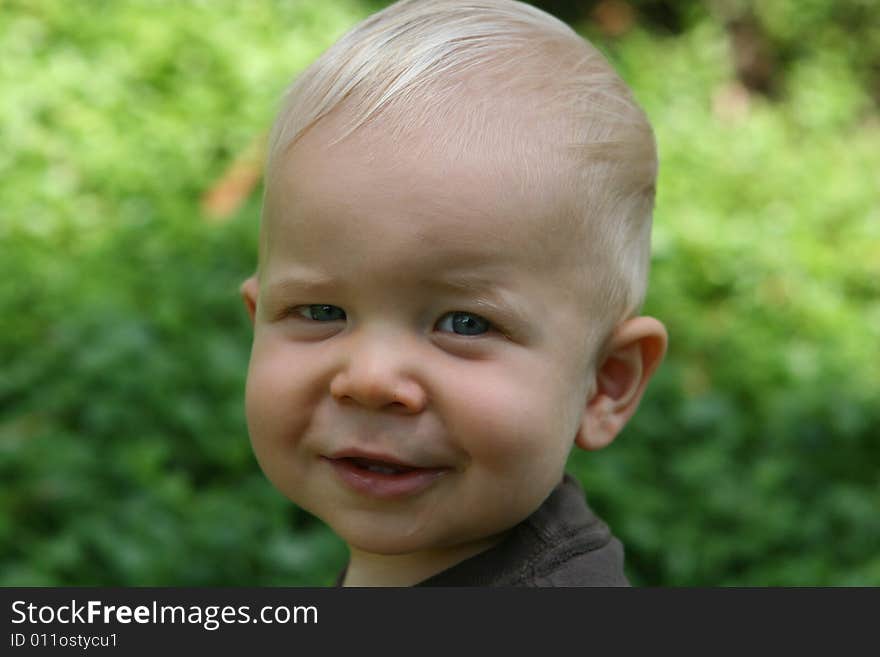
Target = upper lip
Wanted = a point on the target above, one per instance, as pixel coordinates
(354, 453)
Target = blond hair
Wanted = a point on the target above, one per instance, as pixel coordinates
(410, 64)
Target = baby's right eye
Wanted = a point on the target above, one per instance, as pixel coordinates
(320, 312)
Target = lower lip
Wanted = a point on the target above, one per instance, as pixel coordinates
(385, 486)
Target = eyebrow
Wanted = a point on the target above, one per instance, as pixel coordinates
(484, 291)
(299, 282)
(470, 285)
(275, 292)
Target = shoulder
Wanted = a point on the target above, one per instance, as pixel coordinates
(563, 543)
(598, 567)
(570, 544)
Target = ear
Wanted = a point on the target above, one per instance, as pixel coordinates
(250, 290)
(633, 353)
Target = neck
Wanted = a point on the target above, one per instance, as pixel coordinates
(370, 569)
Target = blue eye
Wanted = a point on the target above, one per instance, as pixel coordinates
(321, 312)
(462, 323)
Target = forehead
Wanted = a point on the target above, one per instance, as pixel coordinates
(439, 202)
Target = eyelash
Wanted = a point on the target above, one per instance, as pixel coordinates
(297, 310)
(460, 315)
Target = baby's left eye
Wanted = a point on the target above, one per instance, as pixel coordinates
(463, 323)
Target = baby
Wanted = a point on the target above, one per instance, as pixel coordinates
(454, 249)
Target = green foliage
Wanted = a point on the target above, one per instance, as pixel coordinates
(124, 344)
(753, 459)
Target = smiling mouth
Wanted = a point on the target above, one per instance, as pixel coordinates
(379, 478)
(379, 467)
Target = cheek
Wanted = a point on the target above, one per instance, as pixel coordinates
(512, 418)
(279, 393)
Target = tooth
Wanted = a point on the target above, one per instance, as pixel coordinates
(381, 469)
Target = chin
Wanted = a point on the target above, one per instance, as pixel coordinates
(387, 544)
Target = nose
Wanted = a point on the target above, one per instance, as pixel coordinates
(375, 376)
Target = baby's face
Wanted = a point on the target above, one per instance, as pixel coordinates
(419, 371)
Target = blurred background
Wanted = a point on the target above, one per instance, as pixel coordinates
(131, 138)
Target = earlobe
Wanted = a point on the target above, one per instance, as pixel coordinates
(634, 351)
(250, 290)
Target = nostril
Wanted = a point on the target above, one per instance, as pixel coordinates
(377, 391)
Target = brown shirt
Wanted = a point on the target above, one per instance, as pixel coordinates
(563, 543)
